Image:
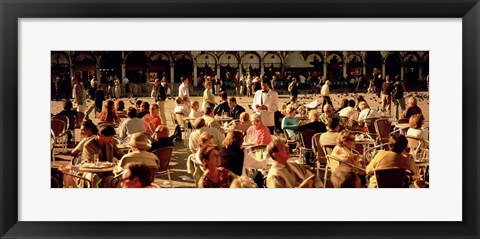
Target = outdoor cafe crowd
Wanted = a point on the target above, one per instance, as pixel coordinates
(275, 147)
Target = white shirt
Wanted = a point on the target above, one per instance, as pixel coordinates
(347, 112)
(181, 109)
(195, 113)
(269, 99)
(367, 113)
(183, 90)
(325, 90)
(131, 126)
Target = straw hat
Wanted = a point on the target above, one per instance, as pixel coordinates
(139, 141)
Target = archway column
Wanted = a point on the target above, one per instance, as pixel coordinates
(364, 71)
(97, 72)
(402, 72)
(218, 72)
(324, 70)
(172, 71)
(383, 70)
(195, 70)
(420, 70)
(345, 75)
(124, 70)
(147, 74)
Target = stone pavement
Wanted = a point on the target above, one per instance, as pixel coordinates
(178, 170)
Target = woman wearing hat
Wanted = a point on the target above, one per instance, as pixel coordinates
(139, 145)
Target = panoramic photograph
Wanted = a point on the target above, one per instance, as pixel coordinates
(239, 119)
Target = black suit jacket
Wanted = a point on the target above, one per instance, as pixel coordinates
(236, 111)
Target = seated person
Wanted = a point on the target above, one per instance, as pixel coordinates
(161, 139)
(109, 114)
(314, 123)
(330, 137)
(393, 158)
(349, 111)
(284, 174)
(412, 108)
(152, 120)
(345, 177)
(200, 127)
(243, 182)
(223, 106)
(343, 149)
(233, 158)
(88, 130)
(68, 109)
(328, 113)
(366, 112)
(195, 111)
(210, 119)
(131, 125)
(235, 109)
(415, 130)
(289, 123)
(136, 175)
(102, 145)
(120, 108)
(214, 176)
(180, 107)
(139, 145)
(258, 133)
(243, 124)
(143, 110)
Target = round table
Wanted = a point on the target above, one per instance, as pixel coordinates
(223, 119)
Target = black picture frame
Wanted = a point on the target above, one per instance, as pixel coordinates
(11, 11)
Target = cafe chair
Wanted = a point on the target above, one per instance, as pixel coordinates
(338, 162)
(292, 143)
(370, 127)
(164, 156)
(306, 143)
(418, 149)
(54, 182)
(81, 182)
(194, 168)
(59, 133)
(177, 119)
(393, 177)
(382, 127)
(370, 153)
(319, 154)
(327, 150)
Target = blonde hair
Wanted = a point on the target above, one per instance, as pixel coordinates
(343, 136)
(363, 105)
(204, 138)
(290, 109)
(256, 117)
(244, 117)
(313, 115)
(195, 102)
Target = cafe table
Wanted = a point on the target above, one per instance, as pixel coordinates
(101, 169)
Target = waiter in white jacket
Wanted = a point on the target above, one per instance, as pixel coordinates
(265, 103)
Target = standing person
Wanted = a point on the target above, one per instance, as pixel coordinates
(293, 87)
(183, 89)
(160, 97)
(208, 97)
(325, 93)
(111, 89)
(274, 82)
(78, 95)
(265, 103)
(124, 87)
(118, 87)
(387, 89)
(217, 83)
(248, 84)
(377, 81)
(398, 98)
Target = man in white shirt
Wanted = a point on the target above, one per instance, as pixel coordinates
(183, 89)
(132, 124)
(265, 103)
(200, 126)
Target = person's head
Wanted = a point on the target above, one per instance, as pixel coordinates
(256, 120)
(363, 105)
(412, 101)
(106, 134)
(351, 103)
(179, 100)
(397, 78)
(209, 110)
(208, 84)
(346, 138)
(67, 105)
(244, 117)
(243, 182)
(416, 121)
(265, 85)
(360, 99)
(160, 132)
(294, 79)
(223, 95)
(232, 102)
(345, 177)
(138, 104)
(139, 141)
(313, 116)
(290, 111)
(278, 150)
(131, 112)
(397, 143)
(154, 109)
(145, 106)
(204, 139)
(158, 81)
(387, 78)
(333, 124)
(74, 80)
(136, 175)
(327, 82)
(274, 78)
(328, 109)
(233, 138)
(120, 105)
(199, 123)
(209, 156)
(185, 80)
(88, 128)
(195, 105)
(344, 103)
(109, 105)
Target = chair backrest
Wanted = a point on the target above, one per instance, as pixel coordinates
(306, 138)
(403, 121)
(164, 156)
(392, 177)
(57, 127)
(418, 149)
(72, 122)
(370, 122)
(382, 127)
(80, 117)
(180, 120)
(173, 117)
(63, 118)
(153, 173)
(317, 148)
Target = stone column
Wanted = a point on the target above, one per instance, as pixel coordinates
(324, 69)
(147, 74)
(195, 80)
(402, 72)
(420, 71)
(364, 69)
(383, 70)
(345, 74)
(172, 71)
(97, 72)
(262, 68)
(124, 71)
(218, 72)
